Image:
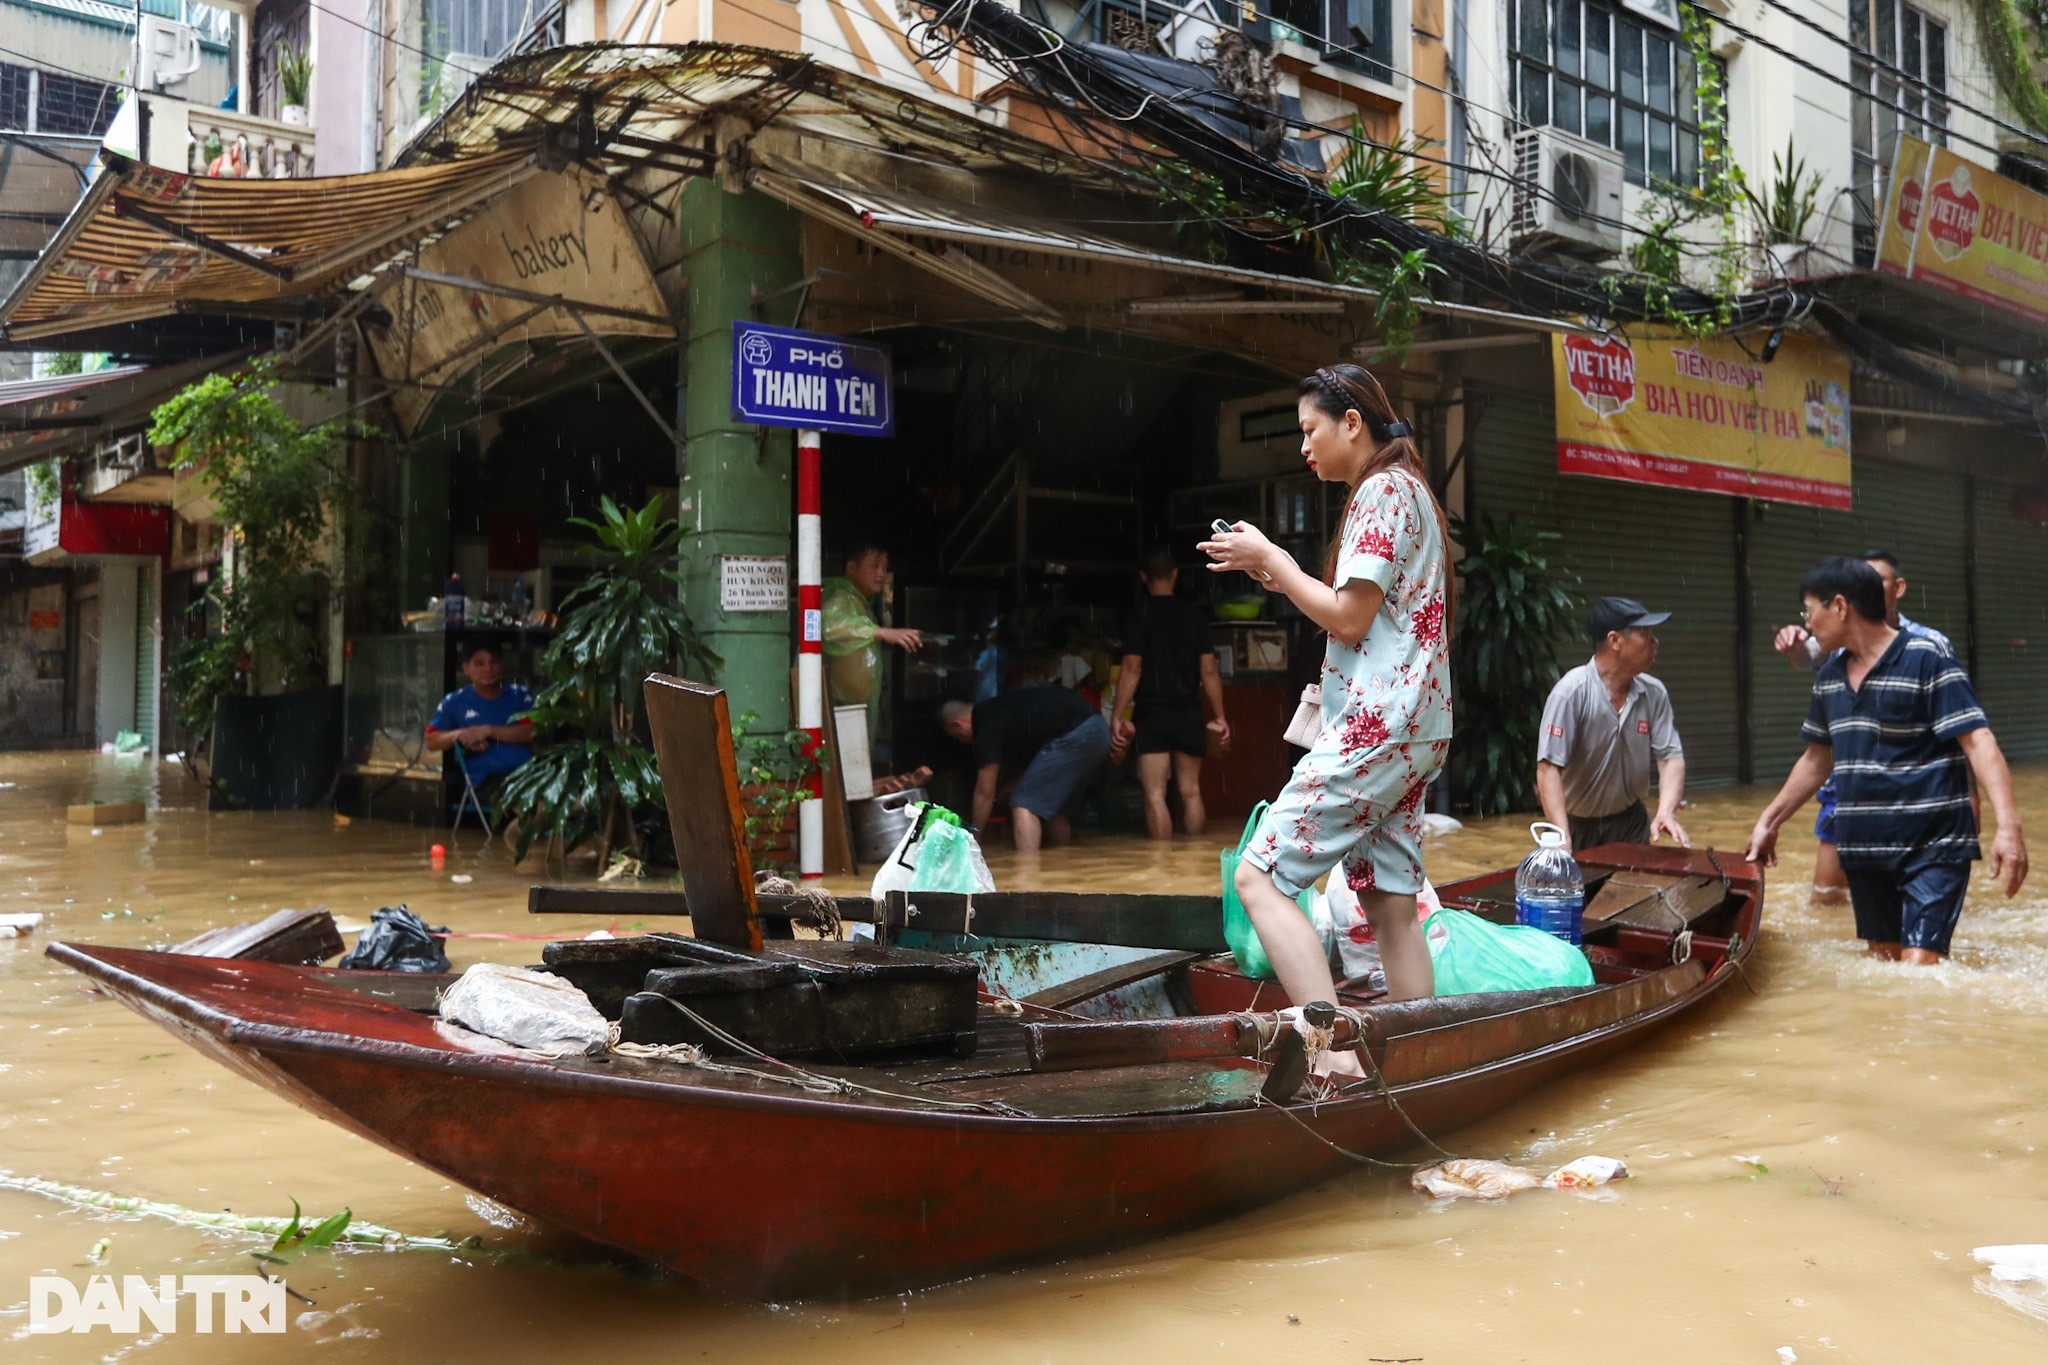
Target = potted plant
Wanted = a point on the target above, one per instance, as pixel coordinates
(254, 686)
(1783, 212)
(294, 83)
(1514, 606)
(592, 776)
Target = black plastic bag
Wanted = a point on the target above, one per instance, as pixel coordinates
(397, 941)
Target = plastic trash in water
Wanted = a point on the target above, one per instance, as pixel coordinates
(1474, 1178)
(2018, 1276)
(1550, 892)
(1433, 823)
(19, 926)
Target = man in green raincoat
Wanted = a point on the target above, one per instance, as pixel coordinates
(853, 638)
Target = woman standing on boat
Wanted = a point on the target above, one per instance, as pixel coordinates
(1387, 599)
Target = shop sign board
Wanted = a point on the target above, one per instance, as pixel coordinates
(753, 583)
(559, 234)
(1963, 229)
(785, 378)
(1706, 415)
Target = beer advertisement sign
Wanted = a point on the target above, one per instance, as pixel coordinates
(1708, 415)
(1968, 231)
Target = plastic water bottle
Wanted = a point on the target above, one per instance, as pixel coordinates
(1550, 893)
(454, 606)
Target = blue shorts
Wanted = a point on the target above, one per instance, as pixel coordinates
(1824, 822)
(1061, 768)
(1915, 906)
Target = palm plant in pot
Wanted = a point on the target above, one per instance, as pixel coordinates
(253, 687)
(592, 773)
(294, 83)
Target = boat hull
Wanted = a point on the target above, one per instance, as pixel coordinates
(772, 1193)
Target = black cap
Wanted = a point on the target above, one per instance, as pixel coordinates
(1620, 613)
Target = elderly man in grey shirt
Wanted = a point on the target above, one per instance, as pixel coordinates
(1606, 723)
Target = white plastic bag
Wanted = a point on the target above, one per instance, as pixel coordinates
(1474, 1178)
(1358, 949)
(537, 1011)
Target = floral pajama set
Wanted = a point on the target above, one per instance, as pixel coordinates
(1356, 797)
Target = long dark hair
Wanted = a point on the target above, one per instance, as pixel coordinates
(1338, 389)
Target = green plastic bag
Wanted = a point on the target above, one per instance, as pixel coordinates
(1237, 925)
(949, 859)
(1472, 955)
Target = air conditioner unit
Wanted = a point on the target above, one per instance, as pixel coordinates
(1567, 194)
(167, 54)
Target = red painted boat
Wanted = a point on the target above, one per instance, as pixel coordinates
(1059, 1135)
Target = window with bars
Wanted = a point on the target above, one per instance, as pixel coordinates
(15, 91)
(1588, 68)
(1899, 68)
(68, 104)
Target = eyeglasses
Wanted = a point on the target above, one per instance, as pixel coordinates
(1806, 613)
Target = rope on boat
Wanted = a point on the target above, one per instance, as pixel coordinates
(355, 1234)
(1317, 1041)
(818, 910)
(689, 1054)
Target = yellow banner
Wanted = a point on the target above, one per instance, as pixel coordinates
(1960, 228)
(1706, 415)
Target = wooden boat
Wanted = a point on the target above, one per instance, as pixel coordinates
(1056, 1135)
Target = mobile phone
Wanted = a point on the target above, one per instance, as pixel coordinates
(1220, 527)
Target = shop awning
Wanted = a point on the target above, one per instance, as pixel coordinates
(918, 229)
(146, 246)
(41, 419)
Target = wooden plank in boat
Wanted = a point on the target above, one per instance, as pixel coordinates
(1080, 1045)
(1189, 923)
(1653, 900)
(1069, 993)
(1167, 1088)
(1460, 1047)
(623, 901)
(295, 937)
(700, 778)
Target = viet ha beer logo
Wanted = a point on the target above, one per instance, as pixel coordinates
(1910, 196)
(1952, 217)
(1602, 372)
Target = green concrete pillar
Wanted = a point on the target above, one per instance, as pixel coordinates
(735, 488)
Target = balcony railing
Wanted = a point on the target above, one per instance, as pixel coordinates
(248, 146)
(201, 140)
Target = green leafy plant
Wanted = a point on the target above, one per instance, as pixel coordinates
(284, 490)
(775, 772)
(590, 772)
(294, 74)
(1788, 202)
(1391, 178)
(1514, 607)
(2014, 34)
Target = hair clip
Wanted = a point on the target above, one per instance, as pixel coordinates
(1393, 431)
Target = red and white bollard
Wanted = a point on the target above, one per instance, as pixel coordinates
(810, 659)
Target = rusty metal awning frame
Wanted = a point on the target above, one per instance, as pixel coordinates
(43, 419)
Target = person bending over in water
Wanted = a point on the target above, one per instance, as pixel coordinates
(1387, 600)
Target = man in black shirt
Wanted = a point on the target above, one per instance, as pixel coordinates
(1051, 738)
(1169, 668)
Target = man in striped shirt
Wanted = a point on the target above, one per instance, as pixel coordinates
(1895, 719)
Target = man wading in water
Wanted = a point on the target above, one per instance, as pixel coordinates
(1895, 719)
(1385, 597)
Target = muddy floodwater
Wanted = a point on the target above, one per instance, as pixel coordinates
(1812, 1162)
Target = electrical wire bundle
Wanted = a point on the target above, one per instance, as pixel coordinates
(1110, 88)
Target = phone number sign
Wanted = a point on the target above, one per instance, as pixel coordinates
(785, 378)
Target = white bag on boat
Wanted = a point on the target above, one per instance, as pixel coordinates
(534, 1010)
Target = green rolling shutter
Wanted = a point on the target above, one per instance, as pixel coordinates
(1915, 513)
(1671, 550)
(2012, 624)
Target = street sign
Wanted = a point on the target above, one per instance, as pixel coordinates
(785, 378)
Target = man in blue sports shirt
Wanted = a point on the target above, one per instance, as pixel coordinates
(487, 718)
(1895, 719)
(1804, 653)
